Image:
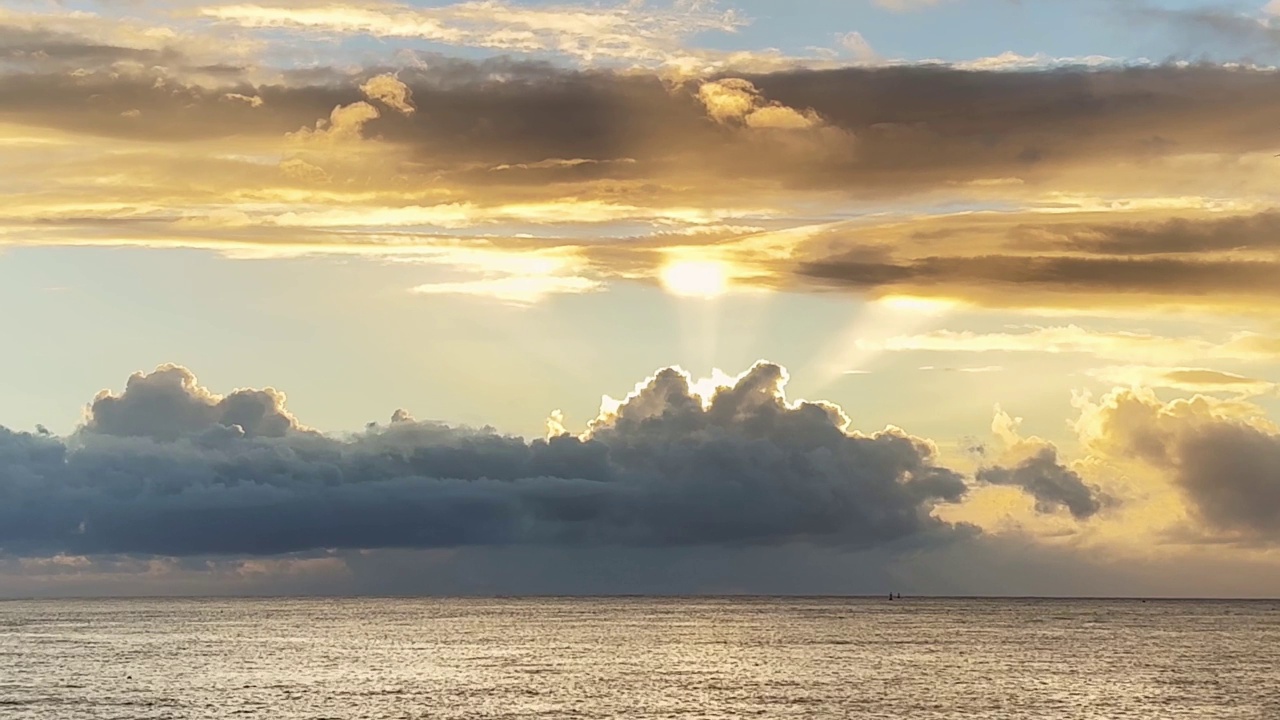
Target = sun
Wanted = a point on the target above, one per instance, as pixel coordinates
(695, 278)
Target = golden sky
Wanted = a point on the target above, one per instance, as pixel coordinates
(1023, 276)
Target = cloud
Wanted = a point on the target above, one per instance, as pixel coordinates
(330, 160)
(923, 132)
(252, 100)
(1009, 60)
(168, 486)
(1055, 280)
(651, 33)
(734, 100)
(517, 279)
(979, 369)
(1186, 379)
(1222, 455)
(345, 123)
(907, 5)
(1051, 483)
(70, 40)
(1257, 232)
(1119, 345)
(1226, 28)
(168, 404)
(857, 46)
(390, 91)
(1032, 465)
(168, 468)
(514, 289)
(1082, 254)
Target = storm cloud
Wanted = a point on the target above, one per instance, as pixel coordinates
(169, 468)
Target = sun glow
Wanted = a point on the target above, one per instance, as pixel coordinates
(695, 278)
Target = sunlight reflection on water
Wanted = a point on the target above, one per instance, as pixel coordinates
(639, 658)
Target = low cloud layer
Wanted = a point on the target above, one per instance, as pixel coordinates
(167, 471)
(168, 468)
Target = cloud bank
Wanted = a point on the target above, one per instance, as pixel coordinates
(167, 471)
(168, 468)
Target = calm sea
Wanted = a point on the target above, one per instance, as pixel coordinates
(639, 658)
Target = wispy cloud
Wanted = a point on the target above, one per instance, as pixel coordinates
(1186, 379)
(651, 33)
(1130, 346)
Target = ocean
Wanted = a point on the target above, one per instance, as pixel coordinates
(706, 658)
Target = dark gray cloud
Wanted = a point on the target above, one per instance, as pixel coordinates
(884, 130)
(976, 565)
(167, 468)
(1260, 231)
(1232, 471)
(1176, 278)
(1007, 259)
(1050, 482)
(41, 49)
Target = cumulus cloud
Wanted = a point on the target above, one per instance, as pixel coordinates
(169, 468)
(187, 488)
(1050, 482)
(1032, 464)
(734, 100)
(345, 123)
(168, 404)
(390, 91)
(1223, 455)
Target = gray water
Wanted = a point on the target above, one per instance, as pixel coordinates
(639, 658)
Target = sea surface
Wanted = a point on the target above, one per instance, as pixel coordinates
(382, 659)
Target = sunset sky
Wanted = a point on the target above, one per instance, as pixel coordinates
(933, 296)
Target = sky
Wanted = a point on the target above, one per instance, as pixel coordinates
(639, 296)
